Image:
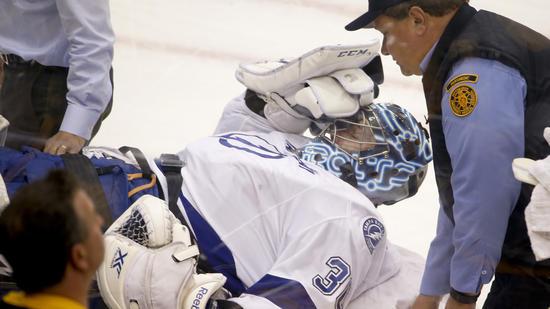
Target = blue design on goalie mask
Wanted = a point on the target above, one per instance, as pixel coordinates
(387, 160)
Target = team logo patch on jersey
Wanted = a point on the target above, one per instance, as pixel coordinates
(463, 100)
(373, 230)
(463, 78)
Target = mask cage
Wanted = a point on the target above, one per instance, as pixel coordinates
(374, 142)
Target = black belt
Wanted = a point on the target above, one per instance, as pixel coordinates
(12, 59)
(510, 268)
(15, 59)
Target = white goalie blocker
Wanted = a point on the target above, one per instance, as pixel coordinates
(327, 82)
(150, 262)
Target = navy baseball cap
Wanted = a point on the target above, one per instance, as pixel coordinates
(376, 7)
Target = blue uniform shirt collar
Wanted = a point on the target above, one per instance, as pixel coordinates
(427, 58)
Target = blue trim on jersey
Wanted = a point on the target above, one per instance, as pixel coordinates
(218, 255)
(282, 292)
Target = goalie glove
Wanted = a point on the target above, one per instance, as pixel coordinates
(337, 95)
(537, 213)
(282, 117)
(327, 82)
(150, 262)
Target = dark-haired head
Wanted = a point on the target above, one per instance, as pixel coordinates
(40, 228)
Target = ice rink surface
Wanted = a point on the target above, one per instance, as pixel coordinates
(175, 61)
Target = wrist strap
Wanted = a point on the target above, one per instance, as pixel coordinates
(463, 298)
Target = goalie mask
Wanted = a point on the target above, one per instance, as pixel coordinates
(382, 150)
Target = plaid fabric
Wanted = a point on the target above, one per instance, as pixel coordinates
(33, 99)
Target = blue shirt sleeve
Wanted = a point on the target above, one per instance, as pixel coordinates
(481, 146)
(88, 29)
(437, 273)
(66, 33)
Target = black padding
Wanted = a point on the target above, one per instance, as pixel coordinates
(86, 173)
(375, 71)
(348, 174)
(254, 102)
(224, 304)
(174, 180)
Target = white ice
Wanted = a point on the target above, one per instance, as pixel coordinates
(175, 60)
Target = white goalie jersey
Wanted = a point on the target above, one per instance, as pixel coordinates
(284, 232)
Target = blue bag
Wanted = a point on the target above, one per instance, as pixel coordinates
(120, 183)
(112, 184)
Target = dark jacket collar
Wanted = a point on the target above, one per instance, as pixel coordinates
(453, 29)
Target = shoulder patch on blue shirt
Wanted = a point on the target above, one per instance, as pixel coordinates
(373, 231)
(463, 100)
(462, 78)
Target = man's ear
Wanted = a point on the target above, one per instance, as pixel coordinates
(419, 19)
(79, 257)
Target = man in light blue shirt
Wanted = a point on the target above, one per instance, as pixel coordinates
(57, 86)
(485, 79)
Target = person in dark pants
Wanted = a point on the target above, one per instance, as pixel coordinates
(51, 235)
(57, 85)
(486, 80)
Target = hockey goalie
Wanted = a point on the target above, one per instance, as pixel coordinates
(265, 217)
(280, 220)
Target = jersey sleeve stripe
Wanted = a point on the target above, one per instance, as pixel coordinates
(283, 292)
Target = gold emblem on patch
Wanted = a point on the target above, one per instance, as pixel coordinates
(463, 100)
